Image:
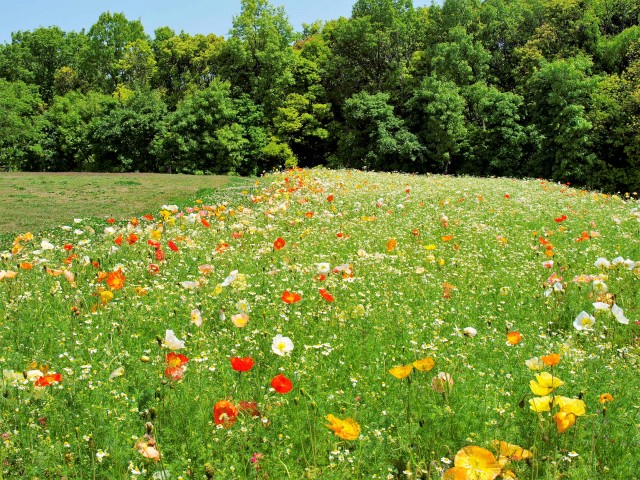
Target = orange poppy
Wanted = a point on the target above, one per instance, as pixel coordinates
(111, 220)
(26, 266)
(281, 384)
(242, 364)
(222, 247)
(116, 280)
(330, 198)
(347, 429)
(132, 238)
(391, 245)
(551, 359)
(279, 244)
(291, 297)
(447, 238)
(583, 236)
(118, 240)
(326, 295)
(605, 398)
(153, 269)
(564, 420)
(478, 462)
(175, 365)
(224, 413)
(49, 379)
(514, 338)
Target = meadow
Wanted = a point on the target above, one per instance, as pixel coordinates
(331, 325)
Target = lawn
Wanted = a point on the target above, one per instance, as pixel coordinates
(330, 325)
(33, 201)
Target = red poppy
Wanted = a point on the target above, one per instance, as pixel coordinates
(416, 232)
(222, 247)
(291, 297)
(159, 254)
(118, 240)
(116, 280)
(561, 219)
(326, 295)
(154, 244)
(506, 195)
(250, 408)
(111, 220)
(279, 243)
(49, 379)
(172, 245)
(205, 223)
(236, 235)
(153, 269)
(175, 365)
(224, 413)
(242, 364)
(308, 214)
(132, 238)
(330, 198)
(148, 216)
(67, 247)
(281, 384)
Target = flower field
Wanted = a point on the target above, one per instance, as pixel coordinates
(331, 325)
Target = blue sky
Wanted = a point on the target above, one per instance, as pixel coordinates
(192, 16)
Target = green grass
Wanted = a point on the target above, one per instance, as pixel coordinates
(32, 201)
(468, 252)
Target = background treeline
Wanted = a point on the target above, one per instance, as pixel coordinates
(538, 88)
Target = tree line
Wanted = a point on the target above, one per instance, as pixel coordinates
(525, 88)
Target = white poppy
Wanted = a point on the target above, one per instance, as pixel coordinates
(281, 345)
(171, 341)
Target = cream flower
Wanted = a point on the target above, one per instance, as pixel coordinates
(281, 345)
(584, 321)
(171, 341)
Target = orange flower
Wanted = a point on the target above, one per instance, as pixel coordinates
(326, 295)
(564, 420)
(605, 397)
(175, 365)
(583, 236)
(222, 247)
(26, 266)
(347, 429)
(116, 280)
(514, 338)
(49, 379)
(447, 238)
(291, 297)
(224, 413)
(391, 245)
(551, 359)
(479, 463)
(279, 243)
(132, 238)
(425, 364)
(242, 364)
(118, 240)
(281, 384)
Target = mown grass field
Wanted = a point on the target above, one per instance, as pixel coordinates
(328, 324)
(34, 201)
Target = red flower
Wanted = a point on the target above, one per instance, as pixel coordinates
(205, 223)
(148, 216)
(416, 232)
(49, 379)
(175, 365)
(154, 244)
(561, 219)
(224, 413)
(67, 247)
(326, 295)
(111, 220)
(159, 254)
(290, 297)
(281, 384)
(118, 240)
(116, 280)
(330, 198)
(133, 238)
(222, 247)
(242, 364)
(153, 269)
(279, 243)
(308, 214)
(172, 245)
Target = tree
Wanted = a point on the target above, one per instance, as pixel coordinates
(436, 116)
(375, 138)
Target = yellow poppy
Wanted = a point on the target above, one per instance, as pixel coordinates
(545, 384)
(425, 364)
(510, 451)
(402, 371)
(347, 429)
(571, 405)
(479, 463)
(564, 420)
(540, 404)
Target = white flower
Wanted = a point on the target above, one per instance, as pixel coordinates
(100, 454)
(171, 208)
(470, 332)
(118, 372)
(617, 261)
(599, 286)
(630, 264)
(171, 341)
(46, 245)
(548, 264)
(196, 317)
(534, 364)
(601, 306)
(109, 230)
(190, 285)
(323, 268)
(619, 314)
(281, 345)
(78, 231)
(602, 262)
(243, 306)
(66, 228)
(229, 280)
(584, 321)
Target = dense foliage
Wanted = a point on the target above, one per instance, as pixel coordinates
(541, 88)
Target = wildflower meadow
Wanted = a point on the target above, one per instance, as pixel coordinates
(331, 325)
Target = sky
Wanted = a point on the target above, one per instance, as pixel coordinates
(192, 16)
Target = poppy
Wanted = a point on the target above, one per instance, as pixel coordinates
(561, 219)
(514, 338)
(171, 244)
(224, 413)
(279, 244)
(540, 404)
(446, 238)
(111, 220)
(26, 266)
(402, 371)
(222, 247)
(148, 217)
(478, 462)
(205, 223)
(250, 408)
(48, 379)
(67, 247)
(347, 429)
(175, 365)
(281, 345)
(118, 240)
(391, 245)
(242, 364)
(132, 238)
(442, 382)
(308, 214)
(551, 359)
(564, 420)
(571, 405)
(605, 398)
(291, 297)
(159, 254)
(326, 295)
(240, 320)
(544, 384)
(116, 280)
(583, 236)
(511, 452)
(424, 365)
(153, 269)
(281, 384)
(330, 198)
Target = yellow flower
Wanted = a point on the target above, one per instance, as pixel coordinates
(540, 404)
(508, 451)
(546, 383)
(425, 364)
(564, 420)
(347, 429)
(571, 405)
(402, 371)
(534, 364)
(479, 463)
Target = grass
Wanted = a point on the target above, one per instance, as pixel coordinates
(406, 265)
(32, 201)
